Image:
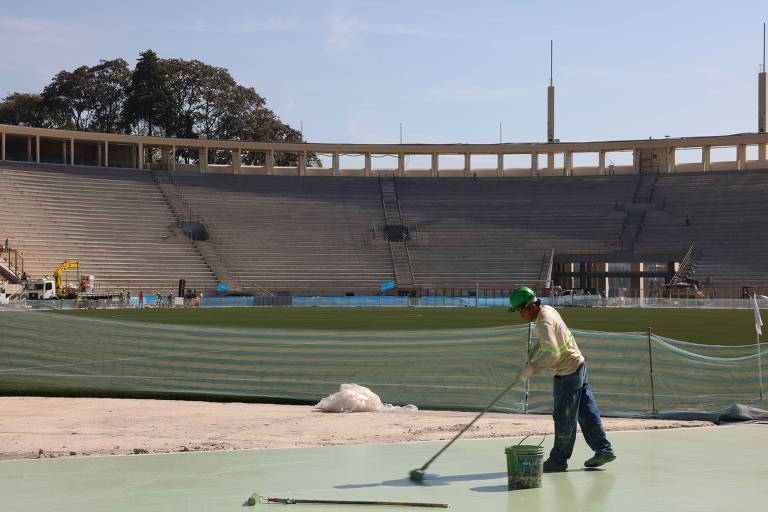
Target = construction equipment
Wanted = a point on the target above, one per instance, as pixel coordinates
(49, 288)
(684, 289)
(69, 264)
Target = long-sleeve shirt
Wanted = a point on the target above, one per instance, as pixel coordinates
(557, 347)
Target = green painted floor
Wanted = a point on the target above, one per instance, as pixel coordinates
(718, 468)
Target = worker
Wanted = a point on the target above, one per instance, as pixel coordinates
(573, 399)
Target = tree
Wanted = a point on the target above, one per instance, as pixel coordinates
(170, 97)
(71, 94)
(22, 109)
(148, 104)
(110, 80)
(88, 98)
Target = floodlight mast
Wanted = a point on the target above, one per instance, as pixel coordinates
(550, 100)
(762, 98)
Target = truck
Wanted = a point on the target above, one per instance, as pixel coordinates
(49, 288)
(52, 288)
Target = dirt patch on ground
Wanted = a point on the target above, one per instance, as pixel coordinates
(40, 427)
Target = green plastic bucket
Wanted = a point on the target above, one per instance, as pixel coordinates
(524, 466)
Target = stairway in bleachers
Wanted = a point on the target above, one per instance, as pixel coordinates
(294, 234)
(398, 246)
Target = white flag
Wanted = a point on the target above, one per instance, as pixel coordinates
(758, 320)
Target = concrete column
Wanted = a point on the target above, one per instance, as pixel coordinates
(37, 149)
(269, 162)
(635, 161)
(500, 165)
(401, 164)
(550, 161)
(368, 164)
(534, 164)
(467, 164)
(435, 165)
(302, 163)
(237, 161)
(98, 152)
(601, 163)
(706, 158)
(637, 282)
(165, 158)
(106, 153)
(64, 152)
(672, 267)
(29, 149)
(2, 146)
(335, 163)
(602, 282)
(568, 163)
(741, 157)
(202, 160)
(173, 158)
(761, 153)
(140, 156)
(568, 281)
(72, 151)
(671, 160)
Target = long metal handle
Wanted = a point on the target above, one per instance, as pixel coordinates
(515, 382)
(292, 501)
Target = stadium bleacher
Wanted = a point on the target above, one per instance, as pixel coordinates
(324, 235)
(114, 222)
(728, 223)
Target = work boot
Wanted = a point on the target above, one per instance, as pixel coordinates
(599, 459)
(552, 466)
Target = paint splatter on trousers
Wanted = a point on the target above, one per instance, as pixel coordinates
(574, 403)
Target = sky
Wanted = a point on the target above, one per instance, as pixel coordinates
(450, 72)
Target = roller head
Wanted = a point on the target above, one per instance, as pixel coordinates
(254, 499)
(417, 475)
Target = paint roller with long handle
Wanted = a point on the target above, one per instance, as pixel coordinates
(418, 474)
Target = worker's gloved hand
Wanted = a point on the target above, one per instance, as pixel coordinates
(526, 371)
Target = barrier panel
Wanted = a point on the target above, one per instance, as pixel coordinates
(44, 352)
(354, 300)
(228, 302)
(385, 300)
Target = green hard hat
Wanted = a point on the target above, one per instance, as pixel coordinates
(521, 297)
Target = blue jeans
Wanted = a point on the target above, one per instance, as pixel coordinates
(574, 401)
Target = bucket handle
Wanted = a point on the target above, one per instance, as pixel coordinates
(529, 435)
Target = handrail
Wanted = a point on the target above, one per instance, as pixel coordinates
(549, 270)
(686, 259)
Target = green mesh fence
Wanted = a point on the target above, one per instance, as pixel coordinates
(46, 352)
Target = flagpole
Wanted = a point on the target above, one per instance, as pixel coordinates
(759, 367)
(758, 332)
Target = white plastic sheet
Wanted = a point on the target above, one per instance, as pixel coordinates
(356, 398)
